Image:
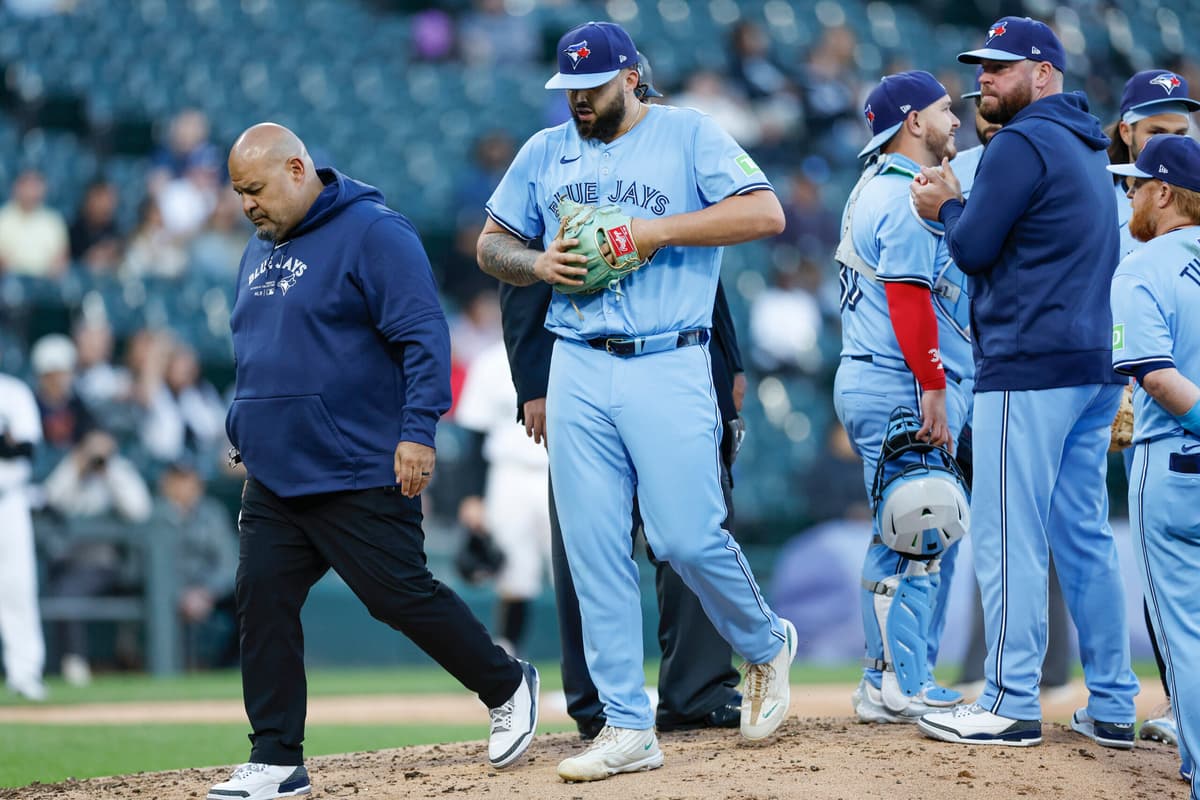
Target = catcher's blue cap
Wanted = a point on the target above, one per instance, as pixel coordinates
(974, 92)
(1156, 91)
(1166, 157)
(890, 103)
(591, 55)
(1018, 39)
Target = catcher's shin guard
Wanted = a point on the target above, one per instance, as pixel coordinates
(903, 606)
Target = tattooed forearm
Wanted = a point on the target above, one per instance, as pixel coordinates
(504, 257)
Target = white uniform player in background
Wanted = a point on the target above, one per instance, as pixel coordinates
(516, 498)
(20, 623)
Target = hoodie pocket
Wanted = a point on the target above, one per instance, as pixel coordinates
(290, 444)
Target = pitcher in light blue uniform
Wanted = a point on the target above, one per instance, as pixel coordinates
(1156, 339)
(630, 405)
(896, 277)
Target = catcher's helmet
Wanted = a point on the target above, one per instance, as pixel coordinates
(919, 493)
(645, 87)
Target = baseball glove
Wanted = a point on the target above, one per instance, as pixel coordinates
(605, 236)
(1122, 425)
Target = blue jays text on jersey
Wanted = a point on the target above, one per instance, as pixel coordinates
(647, 173)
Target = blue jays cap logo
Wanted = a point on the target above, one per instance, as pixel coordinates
(997, 30)
(1169, 82)
(870, 115)
(577, 52)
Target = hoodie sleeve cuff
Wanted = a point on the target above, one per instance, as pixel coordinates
(419, 425)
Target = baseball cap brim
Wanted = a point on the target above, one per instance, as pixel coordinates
(977, 56)
(1147, 108)
(587, 81)
(1128, 171)
(880, 139)
(969, 95)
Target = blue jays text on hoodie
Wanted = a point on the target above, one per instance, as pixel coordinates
(1037, 243)
(340, 345)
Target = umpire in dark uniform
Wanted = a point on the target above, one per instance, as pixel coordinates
(342, 355)
(697, 682)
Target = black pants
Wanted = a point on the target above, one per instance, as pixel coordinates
(696, 675)
(373, 540)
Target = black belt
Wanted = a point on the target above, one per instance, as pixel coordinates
(871, 360)
(625, 346)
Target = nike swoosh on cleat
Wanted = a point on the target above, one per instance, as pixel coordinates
(565, 160)
(770, 711)
(648, 745)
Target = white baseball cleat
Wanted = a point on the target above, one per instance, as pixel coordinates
(514, 722)
(869, 706)
(972, 724)
(262, 782)
(766, 693)
(1161, 727)
(613, 750)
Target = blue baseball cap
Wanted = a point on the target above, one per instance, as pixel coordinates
(591, 55)
(1018, 39)
(1155, 91)
(974, 92)
(1166, 157)
(890, 103)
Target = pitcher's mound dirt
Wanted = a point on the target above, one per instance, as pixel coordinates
(815, 759)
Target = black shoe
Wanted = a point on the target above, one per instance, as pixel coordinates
(725, 716)
(590, 728)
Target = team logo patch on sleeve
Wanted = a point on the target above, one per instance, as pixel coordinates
(1118, 336)
(747, 164)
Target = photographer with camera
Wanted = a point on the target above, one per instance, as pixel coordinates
(92, 481)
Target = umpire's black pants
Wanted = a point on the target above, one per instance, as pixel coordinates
(696, 676)
(373, 540)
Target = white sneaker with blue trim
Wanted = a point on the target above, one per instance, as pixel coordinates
(255, 781)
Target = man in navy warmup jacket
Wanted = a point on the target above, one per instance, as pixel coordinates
(342, 355)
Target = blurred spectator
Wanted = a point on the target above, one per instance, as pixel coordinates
(186, 202)
(490, 35)
(833, 482)
(490, 157)
(214, 253)
(187, 141)
(146, 358)
(206, 559)
(93, 481)
(785, 321)
(831, 90)
(33, 237)
(811, 227)
(477, 326)
(65, 418)
(153, 252)
(96, 241)
(458, 274)
(706, 90)
(432, 35)
(771, 91)
(20, 626)
(105, 388)
(185, 418)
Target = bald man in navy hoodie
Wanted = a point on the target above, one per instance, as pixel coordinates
(343, 369)
(1035, 242)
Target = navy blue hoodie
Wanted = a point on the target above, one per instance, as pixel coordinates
(341, 346)
(1037, 243)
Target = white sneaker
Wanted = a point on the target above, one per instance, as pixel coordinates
(31, 689)
(75, 670)
(262, 782)
(971, 724)
(766, 692)
(514, 722)
(613, 750)
(868, 704)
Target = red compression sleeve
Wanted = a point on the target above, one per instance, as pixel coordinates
(911, 310)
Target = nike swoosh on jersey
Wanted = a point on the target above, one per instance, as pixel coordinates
(565, 160)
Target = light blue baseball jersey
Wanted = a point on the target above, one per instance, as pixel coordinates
(890, 238)
(964, 165)
(674, 161)
(1124, 214)
(1155, 292)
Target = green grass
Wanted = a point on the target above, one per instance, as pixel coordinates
(51, 753)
